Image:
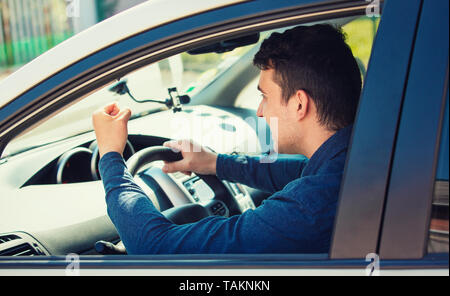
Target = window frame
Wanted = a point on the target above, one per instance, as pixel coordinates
(409, 198)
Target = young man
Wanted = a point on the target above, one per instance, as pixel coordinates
(311, 83)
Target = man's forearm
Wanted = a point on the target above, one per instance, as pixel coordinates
(252, 171)
(128, 207)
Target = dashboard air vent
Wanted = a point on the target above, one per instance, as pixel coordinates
(20, 250)
(7, 238)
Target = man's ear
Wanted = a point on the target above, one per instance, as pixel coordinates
(302, 104)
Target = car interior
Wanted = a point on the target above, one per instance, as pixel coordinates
(54, 201)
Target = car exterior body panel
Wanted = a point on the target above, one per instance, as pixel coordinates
(372, 194)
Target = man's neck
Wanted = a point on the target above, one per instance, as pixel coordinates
(314, 139)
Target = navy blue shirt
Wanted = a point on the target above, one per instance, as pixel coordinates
(297, 218)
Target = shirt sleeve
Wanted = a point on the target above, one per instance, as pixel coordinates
(259, 172)
(268, 229)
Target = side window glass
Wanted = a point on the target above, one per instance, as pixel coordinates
(439, 224)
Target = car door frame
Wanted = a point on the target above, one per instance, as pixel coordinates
(402, 217)
(406, 220)
(366, 176)
(85, 71)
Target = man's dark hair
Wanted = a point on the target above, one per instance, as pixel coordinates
(315, 59)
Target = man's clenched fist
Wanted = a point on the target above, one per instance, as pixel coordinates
(111, 129)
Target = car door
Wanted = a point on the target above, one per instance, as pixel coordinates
(418, 145)
(361, 217)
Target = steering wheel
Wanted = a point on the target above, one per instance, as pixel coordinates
(184, 210)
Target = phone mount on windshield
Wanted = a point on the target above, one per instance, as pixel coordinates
(174, 102)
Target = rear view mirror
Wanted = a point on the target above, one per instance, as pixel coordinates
(227, 45)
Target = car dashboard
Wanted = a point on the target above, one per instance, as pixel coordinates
(53, 202)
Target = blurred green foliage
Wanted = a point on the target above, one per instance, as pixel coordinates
(28, 29)
(360, 35)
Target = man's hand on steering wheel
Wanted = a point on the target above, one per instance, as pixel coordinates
(196, 158)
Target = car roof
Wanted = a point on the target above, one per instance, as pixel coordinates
(137, 19)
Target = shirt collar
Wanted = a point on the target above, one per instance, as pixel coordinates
(329, 149)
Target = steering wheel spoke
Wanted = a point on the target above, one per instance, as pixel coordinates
(184, 210)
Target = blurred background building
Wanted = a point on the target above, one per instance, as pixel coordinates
(31, 27)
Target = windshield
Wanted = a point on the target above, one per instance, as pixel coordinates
(188, 73)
